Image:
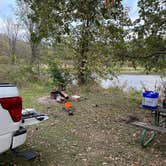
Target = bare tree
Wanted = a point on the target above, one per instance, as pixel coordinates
(23, 11)
(11, 30)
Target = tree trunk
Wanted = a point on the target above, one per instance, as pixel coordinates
(34, 52)
(82, 75)
(35, 56)
(82, 69)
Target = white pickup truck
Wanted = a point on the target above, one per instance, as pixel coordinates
(13, 118)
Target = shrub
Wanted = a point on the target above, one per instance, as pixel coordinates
(61, 76)
(4, 60)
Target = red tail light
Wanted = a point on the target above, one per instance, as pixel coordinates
(14, 106)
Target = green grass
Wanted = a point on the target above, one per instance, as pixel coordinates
(96, 135)
(131, 70)
(138, 70)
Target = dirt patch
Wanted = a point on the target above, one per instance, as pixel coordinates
(128, 119)
(46, 100)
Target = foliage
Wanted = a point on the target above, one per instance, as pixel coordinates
(90, 39)
(92, 31)
(149, 40)
(20, 74)
(4, 60)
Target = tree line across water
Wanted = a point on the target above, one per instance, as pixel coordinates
(82, 39)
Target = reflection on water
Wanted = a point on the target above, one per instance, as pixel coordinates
(133, 82)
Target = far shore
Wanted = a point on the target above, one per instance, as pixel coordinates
(138, 71)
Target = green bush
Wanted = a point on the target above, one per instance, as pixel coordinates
(4, 60)
(22, 75)
(61, 76)
(19, 74)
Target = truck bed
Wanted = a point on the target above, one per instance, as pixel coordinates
(7, 85)
(8, 90)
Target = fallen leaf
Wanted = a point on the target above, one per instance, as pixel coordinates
(135, 163)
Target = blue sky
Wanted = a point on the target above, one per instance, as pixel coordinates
(132, 4)
(7, 11)
(6, 8)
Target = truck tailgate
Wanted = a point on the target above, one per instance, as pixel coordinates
(30, 116)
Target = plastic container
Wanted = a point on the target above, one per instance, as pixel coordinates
(150, 99)
(75, 98)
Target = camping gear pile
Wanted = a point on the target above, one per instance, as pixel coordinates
(62, 97)
(59, 96)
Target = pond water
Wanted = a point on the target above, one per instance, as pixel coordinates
(133, 82)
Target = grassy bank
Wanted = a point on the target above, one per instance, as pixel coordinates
(96, 135)
(131, 70)
(138, 70)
